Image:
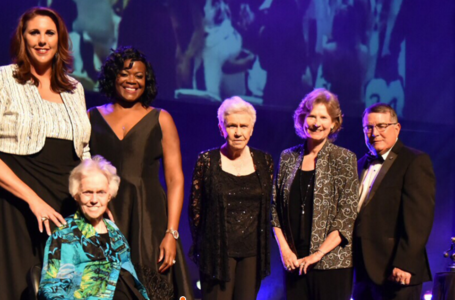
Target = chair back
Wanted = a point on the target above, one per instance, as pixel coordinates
(33, 280)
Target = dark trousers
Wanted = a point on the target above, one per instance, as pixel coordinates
(366, 289)
(319, 285)
(244, 284)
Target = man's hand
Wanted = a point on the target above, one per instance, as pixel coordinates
(400, 276)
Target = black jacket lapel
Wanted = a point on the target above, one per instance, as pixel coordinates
(391, 158)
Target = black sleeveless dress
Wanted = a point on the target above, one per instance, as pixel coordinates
(140, 208)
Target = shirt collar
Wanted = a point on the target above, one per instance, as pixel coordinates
(385, 155)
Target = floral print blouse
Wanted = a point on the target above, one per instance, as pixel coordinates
(78, 265)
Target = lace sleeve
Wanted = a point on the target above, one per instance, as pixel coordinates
(275, 220)
(194, 210)
(270, 166)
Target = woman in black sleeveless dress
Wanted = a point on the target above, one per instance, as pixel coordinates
(135, 136)
(43, 133)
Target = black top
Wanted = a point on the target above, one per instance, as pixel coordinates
(207, 215)
(301, 194)
(242, 196)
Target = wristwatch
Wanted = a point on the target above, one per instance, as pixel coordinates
(174, 233)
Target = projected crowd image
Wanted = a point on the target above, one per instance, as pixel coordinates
(266, 51)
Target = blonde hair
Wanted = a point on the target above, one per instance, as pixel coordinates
(235, 105)
(318, 96)
(96, 163)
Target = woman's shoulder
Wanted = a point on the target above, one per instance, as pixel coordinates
(340, 151)
(208, 153)
(102, 109)
(7, 72)
(73, 80)
(8, 68)
(340, 156)
(65, 228)
(76, 83)
(111, 225)
(293, 151)
(260, 153)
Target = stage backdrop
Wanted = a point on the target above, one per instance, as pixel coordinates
(271, 53)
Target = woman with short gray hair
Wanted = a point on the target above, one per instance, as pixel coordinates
(229, 209)
(89, 257)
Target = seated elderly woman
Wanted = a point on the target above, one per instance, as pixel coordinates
(89, 257)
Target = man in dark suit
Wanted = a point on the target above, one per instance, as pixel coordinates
(396, 211)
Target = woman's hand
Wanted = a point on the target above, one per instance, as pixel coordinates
(289, 259)
(167, 252)
(110, 215)
(308, 262)
(43, 213)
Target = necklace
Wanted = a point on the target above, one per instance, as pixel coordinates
(304, 199)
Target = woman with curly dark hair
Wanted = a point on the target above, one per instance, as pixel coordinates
(44, 133)
(135, 136)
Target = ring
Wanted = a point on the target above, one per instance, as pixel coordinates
(402, 283)
(44, 219)
(174, 261)
(303, 264)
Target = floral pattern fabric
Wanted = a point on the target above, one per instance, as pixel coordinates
(78, 265)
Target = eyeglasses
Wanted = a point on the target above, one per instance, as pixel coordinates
(381, 127)
(90, 194)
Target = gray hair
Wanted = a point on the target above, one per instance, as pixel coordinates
(381, 108)
(96, 163)
(235, 105)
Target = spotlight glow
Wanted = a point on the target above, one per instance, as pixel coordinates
(428, 296)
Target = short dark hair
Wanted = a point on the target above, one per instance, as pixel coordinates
(114, 64)
(63, 61)
(381, 108)
(319, 96)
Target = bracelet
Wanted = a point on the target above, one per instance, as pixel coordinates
(323, 253)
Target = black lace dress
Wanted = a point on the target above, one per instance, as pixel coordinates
(212, 215)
